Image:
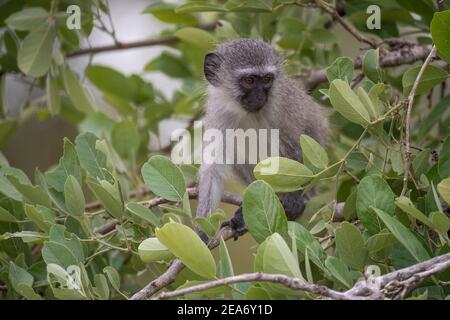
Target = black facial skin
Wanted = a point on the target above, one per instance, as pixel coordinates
(255, 90)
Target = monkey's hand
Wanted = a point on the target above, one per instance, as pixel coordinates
(236, 224)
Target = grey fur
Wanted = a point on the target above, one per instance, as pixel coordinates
(288, 109)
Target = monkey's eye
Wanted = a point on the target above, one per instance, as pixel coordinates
(248, 80)
(267, 79)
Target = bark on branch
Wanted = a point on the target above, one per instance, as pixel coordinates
(398, 56)
(394, 285)
(158, 41)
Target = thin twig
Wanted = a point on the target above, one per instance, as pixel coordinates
(227, 197)
(348, 26)
(162, 40)
(407, 155)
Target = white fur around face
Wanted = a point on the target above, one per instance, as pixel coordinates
(257, 70)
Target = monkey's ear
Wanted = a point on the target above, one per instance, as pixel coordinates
(211, 68)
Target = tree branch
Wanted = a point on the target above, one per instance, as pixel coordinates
(162, 40)
(291, 283)
(394, 58)
(407, 155)
(227, 197)
(348, 26)
(399, 282)
(402, 281)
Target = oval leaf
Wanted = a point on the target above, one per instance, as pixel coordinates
(186, 245)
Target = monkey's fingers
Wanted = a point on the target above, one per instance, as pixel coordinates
(236, 224)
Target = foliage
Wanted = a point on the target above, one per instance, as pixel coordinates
(51, 241)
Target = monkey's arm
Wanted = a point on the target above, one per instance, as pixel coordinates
(210, 188)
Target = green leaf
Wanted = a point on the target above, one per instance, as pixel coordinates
(102, 286)
(109, 197)
(113, 277)
(431, 77)
(27, 19)
(91, 159)
(125, 138)
(347, 103)
(404, 236)
(197, 37)
(53, 96)
(249, 5)
(5, 216)
(357, 161)
(22, 281)
(164, 178)
(368, 103)
(110, 81)
(144, 213)
(313, 152)
(440, 222)
(80, 97)
(261, 208)
(379, 244)
(306, 243)
(151, 250)
(177, 237)
(278, 258)
(166, 12)
(35, 53)
(32, 194)
(169, 64)
(373, 191)
(371, 65)
(433, 117)
(322, 35)
(444, 159)
(74, 198)
(59, 254)
(43, 217)
(283, 174)
(225, 267)
(205, 225)
(68, 165)
(407, 206)
(440, 29)
(444, 189)
(351, 246)
(342, 68)
(7, 188)
(199, 6)
(339, 271)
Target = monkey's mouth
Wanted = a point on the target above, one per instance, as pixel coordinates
(254, 105)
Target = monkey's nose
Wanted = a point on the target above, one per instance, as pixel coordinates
(254, 105)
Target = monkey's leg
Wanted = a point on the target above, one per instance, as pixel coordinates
(236, 223)
(294, 203)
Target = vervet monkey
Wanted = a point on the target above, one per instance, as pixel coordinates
(247, 88)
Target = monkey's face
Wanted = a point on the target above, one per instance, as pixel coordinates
(254, 90)
(245, 69)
